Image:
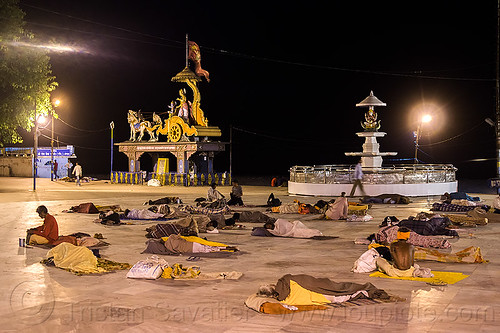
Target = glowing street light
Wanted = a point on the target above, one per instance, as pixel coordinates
(424, 119)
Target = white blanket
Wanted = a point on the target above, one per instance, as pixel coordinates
(295, 229)
(143, 214)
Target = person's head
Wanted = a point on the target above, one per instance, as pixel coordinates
(76, 163)
(212, 225)
(403, 233)
(269, 225)
(235, 182)
(268, 290)
(236, 216)
(213, 185)
(126, 211)
(360, 160)
(42, 211)
(342, 194)
(230, 221)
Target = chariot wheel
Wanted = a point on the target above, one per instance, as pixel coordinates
(175, 133)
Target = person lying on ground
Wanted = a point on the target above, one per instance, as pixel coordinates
(386, 199)
(177, 244)
(448, 197)
(250, 216)
(109, 218)
(295, 229)
(141, 214)
(295, 207)
(449, 207)
(164, 200)
(302, 289)
(223, 209)
(84, 208)
(387, 235)
(47, 233)
(434, 226)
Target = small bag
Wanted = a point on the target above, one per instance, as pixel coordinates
(150, 268)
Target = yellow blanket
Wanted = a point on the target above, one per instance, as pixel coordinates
(439, 277)
(302, 296)
(195, 239)
(74, 258)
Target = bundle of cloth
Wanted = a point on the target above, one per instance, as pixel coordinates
(286, 228)
(301, 292)
(470, 255)
(80, 260)
(388, 234)
(386, 199)
(177, 244)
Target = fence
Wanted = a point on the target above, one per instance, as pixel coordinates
(171, 178)
(396, 174)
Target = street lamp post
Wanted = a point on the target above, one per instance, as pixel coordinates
(425, 119)
(56, 104)
(111, 126)
(35, 150)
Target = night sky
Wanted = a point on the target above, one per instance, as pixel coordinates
(286, 75)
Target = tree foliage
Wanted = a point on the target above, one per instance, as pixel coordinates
(26, 78)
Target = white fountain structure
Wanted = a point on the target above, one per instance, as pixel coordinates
(371, 157)
(404, 179)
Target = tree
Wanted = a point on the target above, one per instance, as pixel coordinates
(26, 78)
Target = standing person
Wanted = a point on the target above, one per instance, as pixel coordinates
(47, 233)
(56, 165)
(68, 166)
(358, 176)
(77, 171)
(236, 194)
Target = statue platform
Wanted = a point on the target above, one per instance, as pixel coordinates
(182, 150)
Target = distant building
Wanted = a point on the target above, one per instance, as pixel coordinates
(18, 161)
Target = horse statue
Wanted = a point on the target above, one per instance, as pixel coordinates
(136, 126)
(151, 127)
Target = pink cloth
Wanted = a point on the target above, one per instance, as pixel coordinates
(389, 234)
(338, 209)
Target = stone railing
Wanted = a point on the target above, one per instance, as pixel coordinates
(171, 178)
(396, 174)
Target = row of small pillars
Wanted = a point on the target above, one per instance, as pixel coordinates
(123, 177)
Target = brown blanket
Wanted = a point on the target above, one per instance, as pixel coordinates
(326, 286)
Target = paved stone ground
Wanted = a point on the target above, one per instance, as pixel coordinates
(38, 298)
